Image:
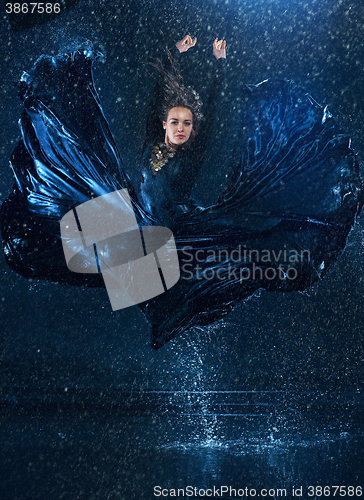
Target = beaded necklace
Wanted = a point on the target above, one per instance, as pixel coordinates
(161, 154)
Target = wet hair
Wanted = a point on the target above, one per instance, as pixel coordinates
(177, 95)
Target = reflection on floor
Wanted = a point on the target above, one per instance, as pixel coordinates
(84, 445)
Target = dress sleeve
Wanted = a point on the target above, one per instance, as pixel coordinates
(210, 111)
(200, 145)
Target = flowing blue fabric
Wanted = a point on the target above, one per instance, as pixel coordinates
(280, 223)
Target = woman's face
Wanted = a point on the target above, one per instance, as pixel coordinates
(178, 126)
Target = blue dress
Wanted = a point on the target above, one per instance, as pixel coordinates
(280, 223)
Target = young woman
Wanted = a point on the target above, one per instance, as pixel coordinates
(279, 224)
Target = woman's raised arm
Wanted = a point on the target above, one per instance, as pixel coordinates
(212, 105)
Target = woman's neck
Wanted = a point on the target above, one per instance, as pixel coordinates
(175, 147)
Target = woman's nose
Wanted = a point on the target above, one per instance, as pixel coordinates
(180, 127)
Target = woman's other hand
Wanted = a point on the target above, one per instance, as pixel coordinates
(186, 43)
(219, 48)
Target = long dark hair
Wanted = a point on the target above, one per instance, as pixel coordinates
(175, 94)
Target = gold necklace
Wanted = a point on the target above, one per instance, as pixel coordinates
(161, 154)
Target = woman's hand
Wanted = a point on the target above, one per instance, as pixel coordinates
(219, 48)
(186, 43)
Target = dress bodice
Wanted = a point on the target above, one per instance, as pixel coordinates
(166, 193)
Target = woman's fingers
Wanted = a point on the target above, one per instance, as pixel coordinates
(189, 41)
(186, 43)
(219, 48)
(219, 43)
